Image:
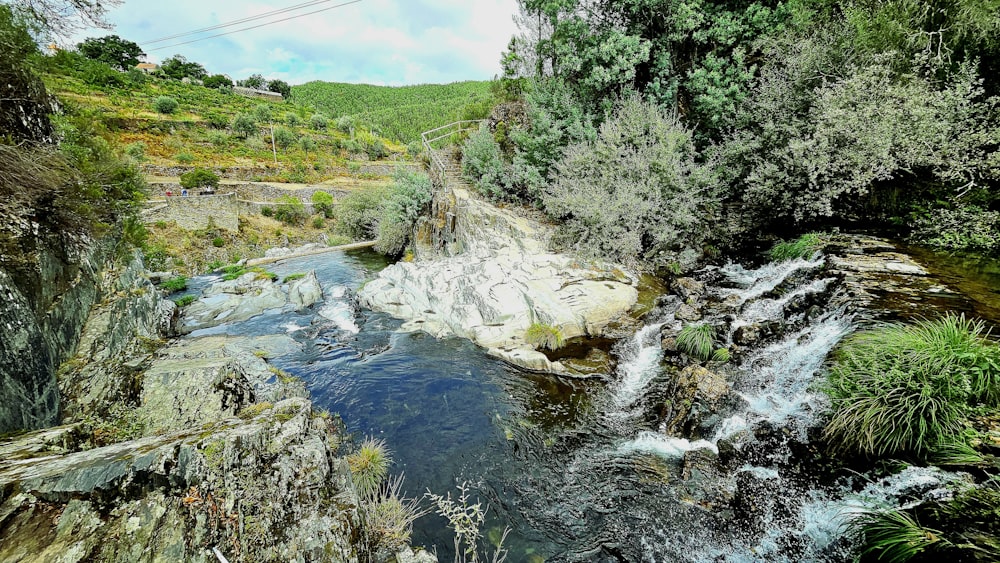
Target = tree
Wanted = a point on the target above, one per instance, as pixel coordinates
(281, 87)
(178, 67)
(217, 81)
(112, 50)
(244, 125)
(199, 178)
(165, 104)
(253, 81)
(63, 17)
(323, 203)
(26, 104)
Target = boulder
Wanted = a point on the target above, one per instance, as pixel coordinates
(305, 291)
(688, 288)
(230, 301)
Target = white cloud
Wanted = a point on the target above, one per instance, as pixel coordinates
(376, 41)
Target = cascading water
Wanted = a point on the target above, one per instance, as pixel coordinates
(638, 365)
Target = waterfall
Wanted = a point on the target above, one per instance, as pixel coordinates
(754, 283)
(339, 309)
(639, 365)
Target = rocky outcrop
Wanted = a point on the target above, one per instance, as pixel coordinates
(486, 274)
(231, 301)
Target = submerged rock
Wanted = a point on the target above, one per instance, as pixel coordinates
(494, 279)
(231, 301)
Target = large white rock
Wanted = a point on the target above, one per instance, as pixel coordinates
(499, 282)
(230, 301)
(305, 291)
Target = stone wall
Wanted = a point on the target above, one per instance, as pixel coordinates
(198, 212)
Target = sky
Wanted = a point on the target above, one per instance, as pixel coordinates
(384, 42)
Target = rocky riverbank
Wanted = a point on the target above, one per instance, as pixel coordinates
(486, 274)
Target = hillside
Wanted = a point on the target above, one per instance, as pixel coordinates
(399, 113)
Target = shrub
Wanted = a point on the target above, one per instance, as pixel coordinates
(407, 198)
(323, 203)
(541, 335)
(217, 81)
(344, 124)
(262, 112)
(369, 466)
(963, 228)
(803, 247)
(611, 195)
(165, 104)
(291, 119)
(244, 125)
(907, 389)
(284, 137)
(358, 214)
(178, 283)
(184, 157)
(218, 139)
(136, 150)
(218, 242)
(307, 144)
(290, 210)
(697, 341)
(318, 122)
(319, 222)
(216, 120)
(199, 178)
(388, 519)
(267, 211)
(414, 149)
(482, 164)
(722, 355)
(184, 301)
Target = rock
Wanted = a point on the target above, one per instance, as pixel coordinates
(702, 384)
(232, 301)
(409, 555)
(697, 393)
(305, 291)
(688, 288)
(277, 252)
(746, 335)
(687, 312)
(490, 277)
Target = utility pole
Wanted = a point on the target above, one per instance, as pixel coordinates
(273, 149)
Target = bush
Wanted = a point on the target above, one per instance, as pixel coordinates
(697, 341)
(803, 247)
(185, 301)
(165, 104)
(541, 335)
(199, 178)
(290, 210)
(136, 150)
(175, 284)
(319, 222)
(482, 164)
(637, 194)
(323, 203)
(963, 228)
(262, 112)
(369, 466)
(218, 139)
(217, 81)
(244, 125)
(184, 157)
(284, 137)
(344, 124)
(414, 149)
(318, 122)
(907, 389)
(291, 119)
(267, 211)
(218, 242)
(216, 120)
(358, 214)
(388, 519)
(307, 144)
(407, 198)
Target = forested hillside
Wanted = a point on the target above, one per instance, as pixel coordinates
(657, 130)
(398, 113)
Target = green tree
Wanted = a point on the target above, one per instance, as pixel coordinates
(408, 198)
(199, 178)
(165, 104)
(27, 120)
(178, 67)
(281, 87)
(217, 81)
(323, 203)
(62, 17)
(253, 81)
(112, 50)
(244, 125)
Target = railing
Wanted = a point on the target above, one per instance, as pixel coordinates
(437, 165)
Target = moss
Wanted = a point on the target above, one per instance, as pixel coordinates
(254, 410)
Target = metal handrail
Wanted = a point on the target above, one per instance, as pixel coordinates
(437, 164)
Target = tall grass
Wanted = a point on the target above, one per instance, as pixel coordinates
(697, 341)
(802, 247)
(369, 466)
(895, 536)
(541, 335)
(908, 389)
(388, 519)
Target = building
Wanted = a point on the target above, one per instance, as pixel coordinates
(148, 68)
(255, 93)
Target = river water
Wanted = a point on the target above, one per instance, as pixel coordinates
(580, 469)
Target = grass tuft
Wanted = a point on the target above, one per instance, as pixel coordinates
(175, 284)
(802, 247)
(909, 389)
(541, 335)
(895, 536)
(697, 341)
(369, 467)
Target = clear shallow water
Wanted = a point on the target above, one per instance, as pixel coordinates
(579, 469)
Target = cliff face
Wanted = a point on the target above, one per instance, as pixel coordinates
(46, 302)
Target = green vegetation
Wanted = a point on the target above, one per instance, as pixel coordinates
(165, 104)
(967, 227)
(293, 277)
(397, 113)
(966, 528)
(541, 335)
(185, 301)
(323, 203)
(722, 355)
(112, 50)
(175, 284)
(290, 210)
(697, 341)
(369, 466)
(405, 200)
(199, 178)
(910, 389)
(466, 521)
(803, 247)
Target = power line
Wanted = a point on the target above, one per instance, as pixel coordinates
(235, 22)
(256, 26)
